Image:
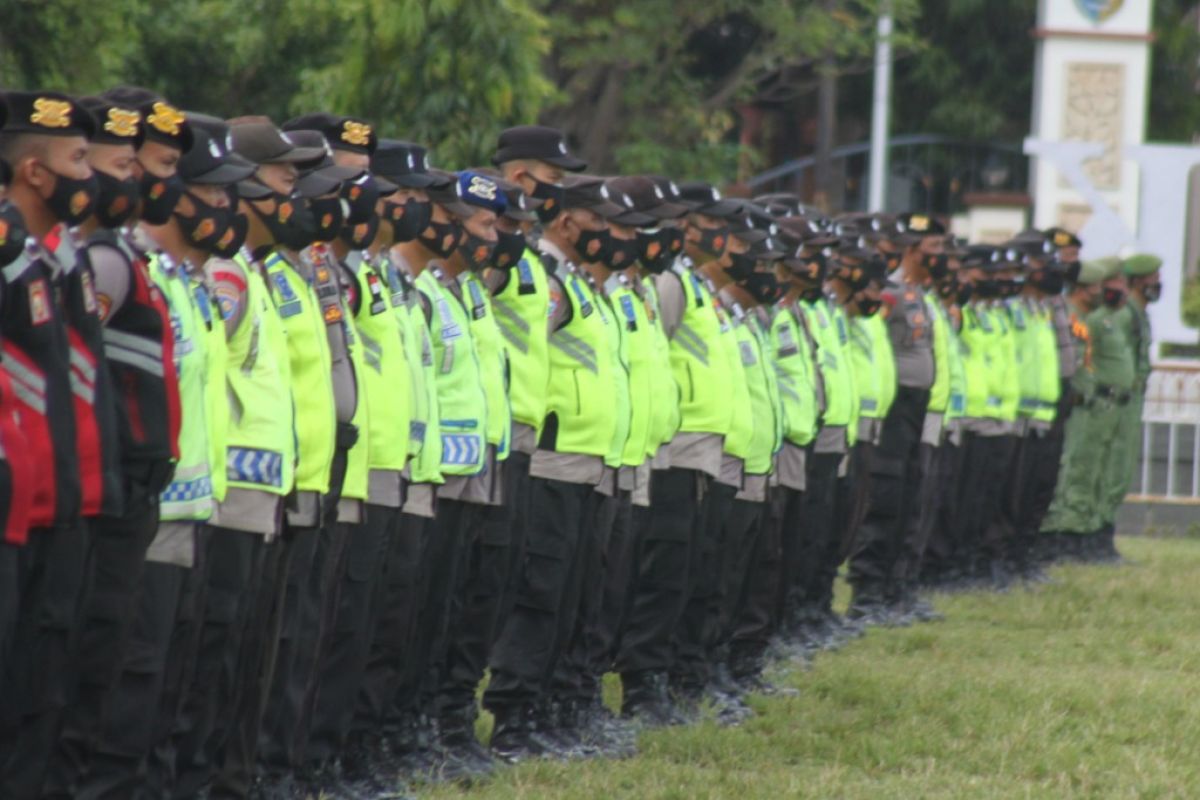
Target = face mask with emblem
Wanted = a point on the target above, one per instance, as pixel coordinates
(653, 249)
(360, 236)
(289, 220)
(1113, 297)
(116, 200)
(234, 238)
(592, 246)
(1152, 292)
(620, 253)
(72, 200)
(440, 238)
(362, 194)
(947, 288)
(551, 197)
(713, 241)
(938, 265)
(12, 233)
(868, 306)
(509, 249)
(408, 219)
(476, 251)
(965, 292)
(1049, 280)
(159, 196)
(741, 266)
(329, 216)
(207, 224)
(763, 287)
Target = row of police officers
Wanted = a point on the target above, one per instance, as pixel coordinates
(302, 436)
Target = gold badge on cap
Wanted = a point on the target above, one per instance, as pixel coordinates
(1062, 239)
(51, 113)
(122, 123)
(166, 119)
(918, 222)
(356, 133)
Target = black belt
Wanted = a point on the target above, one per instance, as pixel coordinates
(1118, 396)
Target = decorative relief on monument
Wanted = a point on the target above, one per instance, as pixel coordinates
(1093, 112)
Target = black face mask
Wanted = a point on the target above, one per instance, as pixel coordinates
(329, 216)
(592, 246)
(476, 251)
(1050, 281)
(654, 249)
(12, 233)
(362, 195)
(360, 236)
(159, 196)
(1009, 287)
(72, 200)
(868, 306)
(947, 289)
(1113, 298)
(763, 287)
(937, 265)
(408, 219)
(987, 288)
(741, 266)
(116, 200)
(965, 290)
(1152, 292)
(207, 225)
(713, 241)
(1072, 270)
(553, 199)
(892, 261)
(621, 253)
(509, 249)
(440, 238)
(234, 238)
(290, 223)
(811, 294)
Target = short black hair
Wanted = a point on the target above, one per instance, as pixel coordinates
(15, 145)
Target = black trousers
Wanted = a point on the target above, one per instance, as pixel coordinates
(580, 653)
(393, 654)
(694, 633)
(10, 602)
(118, 553)
(234, 569)
(741, 551)
(984, 472)
(789, 507)
(516, 501)
(351, 633)
(441, 561)
(37, 687)
(662, 565)
(942, 545)
(475, 607)
(1037, 467)
(855, 495)
(919, 525)
(896, 478)
(547, 597)
(131, 723)
(755, 621)
(312, 553)
(997, 521)
(618, 581)
(815, 519)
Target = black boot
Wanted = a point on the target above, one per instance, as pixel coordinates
(646, 701)
(514, 736)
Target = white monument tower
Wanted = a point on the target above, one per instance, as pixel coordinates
(1090, 85)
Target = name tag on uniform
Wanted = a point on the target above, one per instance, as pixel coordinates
(525, 283)
(450, 329)
(630, 315)
(787, 342)
(478, 306)
(289, 303)
(204, 304)
(585, 305)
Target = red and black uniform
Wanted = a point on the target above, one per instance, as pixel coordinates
(91, 388)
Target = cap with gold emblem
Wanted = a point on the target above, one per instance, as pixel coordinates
(352, 134)
(47, 114)
(161, 121)
(115, 123)
(922, 225)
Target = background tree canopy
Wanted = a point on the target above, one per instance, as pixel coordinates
(699, 89)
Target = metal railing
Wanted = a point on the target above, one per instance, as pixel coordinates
(1168, 466)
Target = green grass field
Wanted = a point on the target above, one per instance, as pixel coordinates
(1087, 687)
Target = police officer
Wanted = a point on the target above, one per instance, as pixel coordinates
(895, 472)
(565, 469)
(138, 349)
(45, 141)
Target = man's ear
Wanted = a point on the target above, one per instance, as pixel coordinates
(27, 171)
